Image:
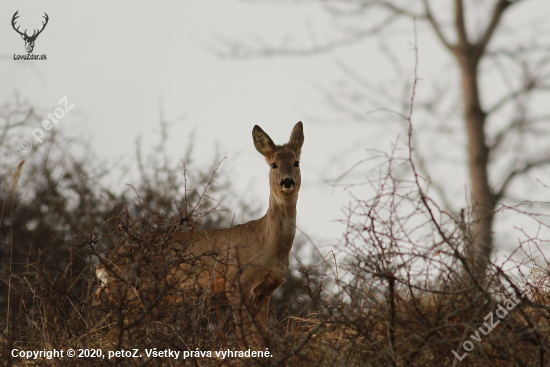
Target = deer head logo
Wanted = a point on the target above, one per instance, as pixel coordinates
(29, 40)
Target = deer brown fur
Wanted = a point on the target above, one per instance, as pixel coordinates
(242, 265)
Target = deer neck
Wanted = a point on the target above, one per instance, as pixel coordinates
(281, 222)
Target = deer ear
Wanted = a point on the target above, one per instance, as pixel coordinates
(23, 36)
(262, 142)
(297, 137)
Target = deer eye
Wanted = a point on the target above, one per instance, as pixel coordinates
(273, 165)
(296, 164)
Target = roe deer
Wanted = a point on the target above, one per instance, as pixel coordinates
(244, 264)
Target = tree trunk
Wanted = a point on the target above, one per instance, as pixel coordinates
(483, 201)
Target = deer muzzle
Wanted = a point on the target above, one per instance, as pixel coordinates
(287, 184)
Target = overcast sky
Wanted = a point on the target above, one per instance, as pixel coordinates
(117, 60)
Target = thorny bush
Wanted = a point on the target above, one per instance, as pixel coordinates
(397, 290)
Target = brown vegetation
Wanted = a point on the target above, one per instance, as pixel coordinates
(488, 47)
(398, 291)
(241, 265)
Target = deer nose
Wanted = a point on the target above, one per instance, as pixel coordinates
(287, 183)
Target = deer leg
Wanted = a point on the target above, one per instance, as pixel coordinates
(261, 310)
(236, 306)
(238, 302)
(262, 294)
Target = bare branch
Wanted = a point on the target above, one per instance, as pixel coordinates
(459, 24)
(239, 49)
(525, 168)
(361, 6)
(511, 96)
(500, 7)
(398, 10)
(435, 25)
(519, 123)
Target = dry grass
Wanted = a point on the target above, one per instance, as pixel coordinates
(398, 291)
(395, 300)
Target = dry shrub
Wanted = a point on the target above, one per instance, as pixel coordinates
(398, 291)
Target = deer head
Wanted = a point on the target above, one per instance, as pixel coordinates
(284, 160)
(29, 40)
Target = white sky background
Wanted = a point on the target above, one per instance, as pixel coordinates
(115, 60)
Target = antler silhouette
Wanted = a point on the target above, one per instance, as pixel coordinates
(15, 16)
(35, 33)
(43, 25)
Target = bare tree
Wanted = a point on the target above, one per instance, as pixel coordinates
(469, 37)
